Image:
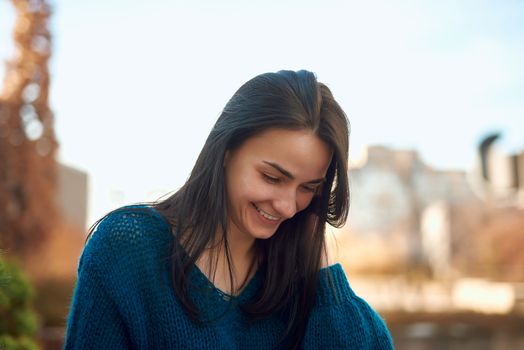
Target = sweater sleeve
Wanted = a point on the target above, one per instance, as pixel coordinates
(341, 319)
(94, 321)
(117, 268)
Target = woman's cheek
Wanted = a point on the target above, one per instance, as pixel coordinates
(304, 201)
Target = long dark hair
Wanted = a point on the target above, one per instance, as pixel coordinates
(290, 262)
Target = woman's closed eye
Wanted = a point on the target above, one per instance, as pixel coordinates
(275, 180)
(270, 179)
(310, 188)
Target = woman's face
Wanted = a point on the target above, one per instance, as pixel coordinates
(270, 178)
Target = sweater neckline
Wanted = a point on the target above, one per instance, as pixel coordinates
(245, 294)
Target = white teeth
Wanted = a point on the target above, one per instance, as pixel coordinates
(266, 215)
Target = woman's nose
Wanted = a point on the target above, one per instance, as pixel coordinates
(286, 205)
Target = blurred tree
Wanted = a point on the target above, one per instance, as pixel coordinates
(17, 322)
(27, 140)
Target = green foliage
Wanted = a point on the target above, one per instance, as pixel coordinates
(18, 324)
(20, 343)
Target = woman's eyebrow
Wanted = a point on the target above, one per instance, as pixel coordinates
(287, 174)
(280, 169)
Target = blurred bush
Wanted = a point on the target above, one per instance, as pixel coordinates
(18, 323)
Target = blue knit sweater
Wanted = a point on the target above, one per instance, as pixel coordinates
(123, 300)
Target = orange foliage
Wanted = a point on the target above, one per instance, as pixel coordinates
(58, 256)
(27, 141)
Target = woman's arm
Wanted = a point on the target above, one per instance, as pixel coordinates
(94, 321)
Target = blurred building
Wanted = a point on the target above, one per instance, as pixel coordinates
(65, 241)
(405, 213)
(502, 174)
(72, 195)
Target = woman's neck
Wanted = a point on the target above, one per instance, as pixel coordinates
(215, 265)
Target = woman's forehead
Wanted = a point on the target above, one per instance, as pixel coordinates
(299, 152)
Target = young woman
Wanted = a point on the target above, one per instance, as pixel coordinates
(236, 258)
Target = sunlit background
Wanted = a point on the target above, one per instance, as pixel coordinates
(135, 87)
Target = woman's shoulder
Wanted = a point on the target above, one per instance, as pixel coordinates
(126, 232)
(335, 291)
(132, 218)
(349, 319)
(333, 286)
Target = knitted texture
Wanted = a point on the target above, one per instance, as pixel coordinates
(123, 300)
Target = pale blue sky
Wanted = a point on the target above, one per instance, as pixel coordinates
(137, 85)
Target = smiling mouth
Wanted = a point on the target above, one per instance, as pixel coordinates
(266, 215)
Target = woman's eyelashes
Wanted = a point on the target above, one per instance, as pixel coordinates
(311, 189)
(270, 179)
(275, 180)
